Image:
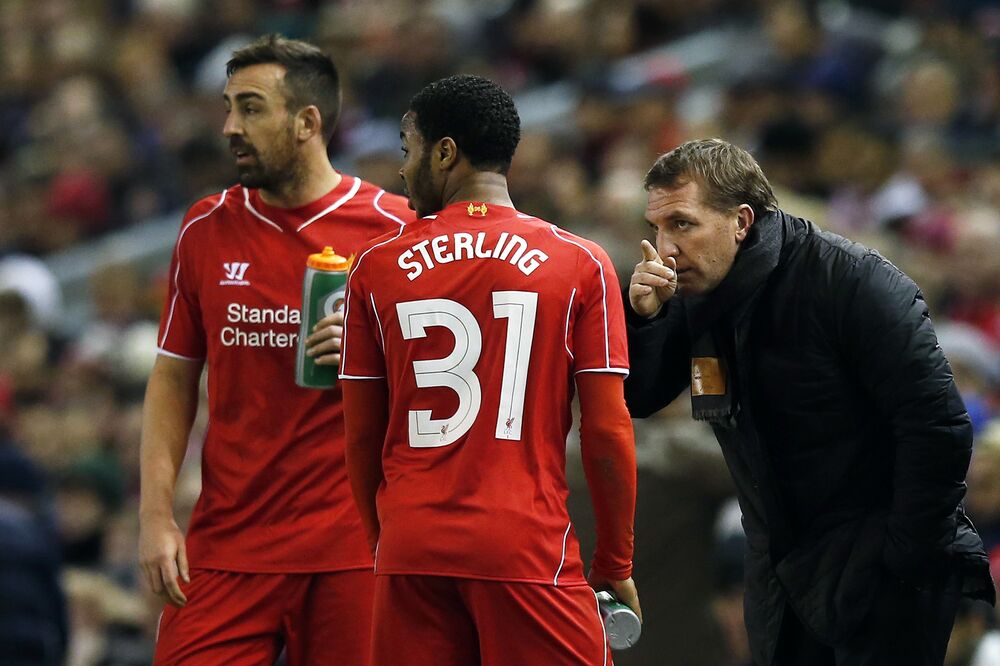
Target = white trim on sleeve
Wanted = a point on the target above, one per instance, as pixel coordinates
(614, 371)
(193, 359)
(347, 305)
(604, 290)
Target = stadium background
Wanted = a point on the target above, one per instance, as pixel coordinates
(879, 120)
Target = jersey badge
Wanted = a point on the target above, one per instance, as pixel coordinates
(477, 210)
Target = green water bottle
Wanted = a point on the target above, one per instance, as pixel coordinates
(322, 294)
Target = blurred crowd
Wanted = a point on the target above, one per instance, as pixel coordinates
(879, 120)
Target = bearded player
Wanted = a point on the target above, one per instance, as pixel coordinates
(275, 556)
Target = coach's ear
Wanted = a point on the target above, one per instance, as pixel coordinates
(446, 154)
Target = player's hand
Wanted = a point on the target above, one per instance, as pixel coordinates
(653, 283)
(163, 558)
(624, 590)
(323, 345)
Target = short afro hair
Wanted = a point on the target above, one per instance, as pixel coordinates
(476, 113)
(311, 78)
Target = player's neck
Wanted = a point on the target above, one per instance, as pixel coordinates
(317, 178)
(480, 186)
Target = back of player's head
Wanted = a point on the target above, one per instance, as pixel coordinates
(728, 175)
(478, 115)
(311, 77)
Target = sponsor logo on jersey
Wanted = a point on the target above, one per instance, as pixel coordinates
(261, 326)
(235, 271)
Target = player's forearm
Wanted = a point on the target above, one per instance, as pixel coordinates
(366, 419)
(364, 471)
(611, 479)
(608, 451)
(168, 412)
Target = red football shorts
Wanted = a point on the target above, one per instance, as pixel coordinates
(246, 618)
(441, 621)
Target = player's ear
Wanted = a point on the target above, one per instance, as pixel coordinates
(308, 123)
(447, 153)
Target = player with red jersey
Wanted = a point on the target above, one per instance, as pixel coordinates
(275, 556)
(465, 333)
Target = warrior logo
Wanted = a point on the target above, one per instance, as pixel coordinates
(235, 270)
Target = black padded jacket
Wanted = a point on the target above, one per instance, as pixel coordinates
(850, 445)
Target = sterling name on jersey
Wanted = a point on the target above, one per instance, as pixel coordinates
(479, 318)
(275, 495)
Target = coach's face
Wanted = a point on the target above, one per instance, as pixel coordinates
(424, 193)
(260, 128)
(702, 240)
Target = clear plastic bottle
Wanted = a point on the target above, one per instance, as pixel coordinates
(621, 623)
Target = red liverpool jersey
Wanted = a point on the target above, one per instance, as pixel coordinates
(479, 318)
(275, 495)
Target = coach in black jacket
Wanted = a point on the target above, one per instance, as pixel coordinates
(815, 361)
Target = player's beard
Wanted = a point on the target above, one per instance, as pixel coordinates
(272, 170)
(421, 191)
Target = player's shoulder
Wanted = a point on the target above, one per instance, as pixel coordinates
(382, 246)
(371, 200)
(570, 242)
(213, 205)
(406, 233)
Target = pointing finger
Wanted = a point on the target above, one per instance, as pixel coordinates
(649, 252)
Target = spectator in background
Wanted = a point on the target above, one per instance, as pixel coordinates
(975, 640)
(33, 630)
(727, 600)
(984, 492)
(815, 362)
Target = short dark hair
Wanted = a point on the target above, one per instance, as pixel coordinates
(311, 77)
(476, 113)
(728, 175)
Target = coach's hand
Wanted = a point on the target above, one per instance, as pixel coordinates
(624, 590)
(163, 557)
(324, 343)
(653, 283)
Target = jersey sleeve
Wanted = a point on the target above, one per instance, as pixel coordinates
(361, 355)
(182, 333)
(598, 333)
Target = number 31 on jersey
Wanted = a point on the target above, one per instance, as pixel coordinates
(456, 371)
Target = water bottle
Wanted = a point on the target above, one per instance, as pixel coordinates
(322, 294)
(621, 624)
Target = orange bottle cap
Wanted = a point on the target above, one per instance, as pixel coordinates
(328, 260)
